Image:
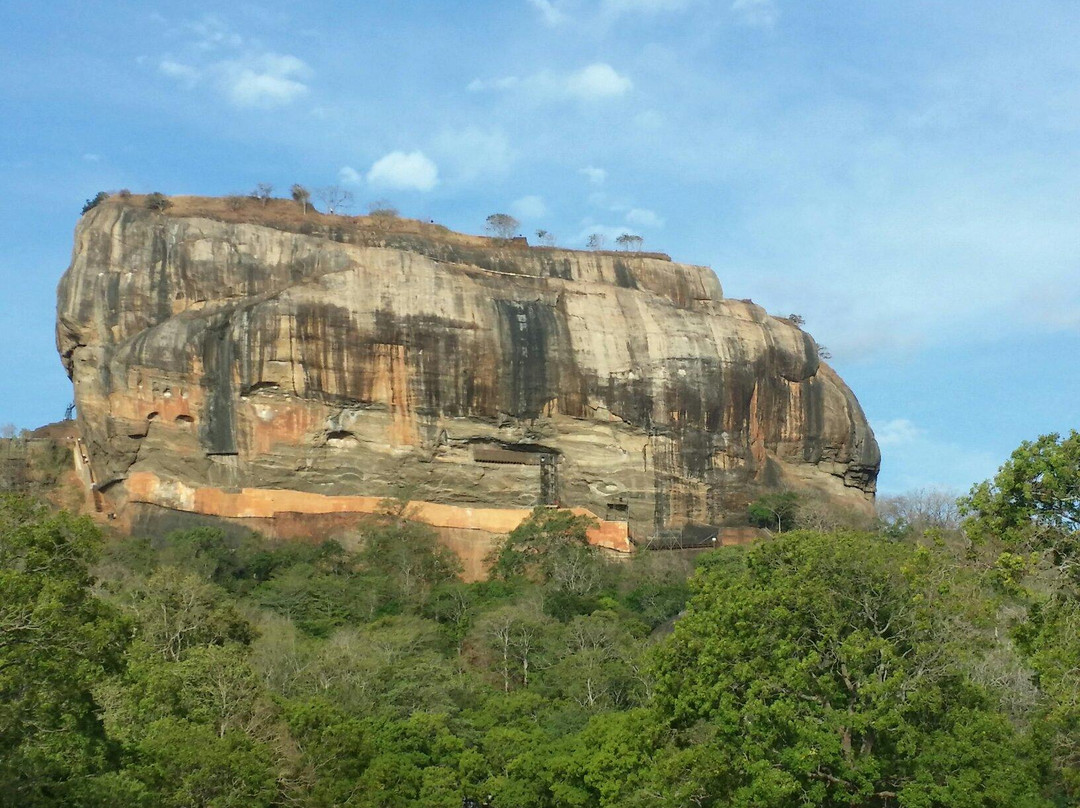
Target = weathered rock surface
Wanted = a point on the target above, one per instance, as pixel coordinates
(259, 348)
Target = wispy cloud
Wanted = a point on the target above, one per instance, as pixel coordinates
(504, 83)
(643, 217)
(594, 175)
(643, 6)
(185, 74)
(210, 32)
(252, 77)
(598, 80)
(550, 13)
(913, 457)
(529, 208)
(592, 82)
(897, 432)
(756, 13)
(473, 153)
(264, 80)
(350, 176)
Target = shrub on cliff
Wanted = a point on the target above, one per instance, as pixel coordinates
(383, 208)
(301, 196)
(157, 201)
(263, 192)
(97, 199)
(502, 225)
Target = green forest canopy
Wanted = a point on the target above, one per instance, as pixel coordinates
(902, 667)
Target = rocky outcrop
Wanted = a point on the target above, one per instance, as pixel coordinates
(263, 349)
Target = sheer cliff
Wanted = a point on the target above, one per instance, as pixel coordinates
(221, 349)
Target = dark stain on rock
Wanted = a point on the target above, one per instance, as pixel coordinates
(624, 277)
(218, 429)
(530, 366)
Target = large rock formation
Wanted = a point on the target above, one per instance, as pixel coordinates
(221, 349)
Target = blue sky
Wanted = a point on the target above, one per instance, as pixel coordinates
(904, 175)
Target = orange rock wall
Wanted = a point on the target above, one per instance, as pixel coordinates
(470, 532)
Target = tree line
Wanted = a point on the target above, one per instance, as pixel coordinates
(922, 662)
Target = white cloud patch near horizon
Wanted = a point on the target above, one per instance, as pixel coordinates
(905, 448)
(473, 153)
(398, 170)
(529, 207)
(897, 432)
(350, 176)
(643, 217)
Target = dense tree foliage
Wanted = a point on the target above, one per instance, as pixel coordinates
(57, 640)
(775, 512)
(910, 667)
(1034, 500)
(831, 668)
(1030, 514)
(94, 201)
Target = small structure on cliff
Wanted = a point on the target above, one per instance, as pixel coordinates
(259, 364)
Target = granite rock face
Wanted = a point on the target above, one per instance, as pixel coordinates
(264, 349)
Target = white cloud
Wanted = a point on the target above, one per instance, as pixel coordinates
(897, 432)
(349, 176)
(643, 217)
(594, 175)
(267, 80)
(407, 172)
(913, 457)
(529, 207)
(643, 6)
(472, 153)
(595, 81)
(756, 13)
(551, 13)
(212, 32)
(481, 85)
(255, 78)
(91, 158)
(598, 80)
(185, 74)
